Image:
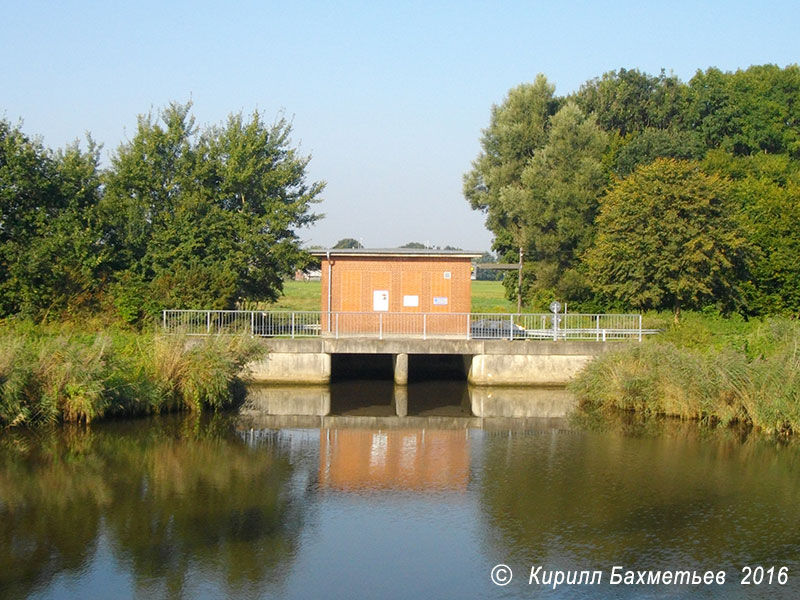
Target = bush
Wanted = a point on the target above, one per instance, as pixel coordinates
(50, 376)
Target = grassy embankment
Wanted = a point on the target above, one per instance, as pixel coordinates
(51, 374)
(487, 296)
(707, 368)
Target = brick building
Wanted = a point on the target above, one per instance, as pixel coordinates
(388, 286)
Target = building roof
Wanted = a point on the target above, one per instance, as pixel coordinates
(396, 253)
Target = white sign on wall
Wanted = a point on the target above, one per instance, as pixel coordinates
(440, 301)
(412, 301)
(380, 300)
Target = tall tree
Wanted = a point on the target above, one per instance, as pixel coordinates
(205, 219)
(628, 100)
(517, 130)
(562, 184)
(51, 251)
(667, 239)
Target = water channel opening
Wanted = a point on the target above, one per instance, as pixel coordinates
(437, 367)
(350, 367)
(362, 384)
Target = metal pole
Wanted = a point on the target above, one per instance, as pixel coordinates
(640, 327)
(511, 327)
(208, 322)
(424, 326)
(292, 324)
(380, 326)
(519, 282)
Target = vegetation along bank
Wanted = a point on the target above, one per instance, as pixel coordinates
(711, 369)
(50, 375)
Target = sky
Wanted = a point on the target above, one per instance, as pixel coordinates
(388, 98)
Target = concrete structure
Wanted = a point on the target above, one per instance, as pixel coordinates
(485, 362)
(395, 281)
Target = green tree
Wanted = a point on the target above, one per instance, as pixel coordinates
(347, 243)
(752, 110)
(667, 239)
(628, 100)
(644, 147)
(560, 189)
(206, 219)
(52, 255)
(517, 130)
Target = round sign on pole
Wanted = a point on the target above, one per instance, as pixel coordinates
(555, 306)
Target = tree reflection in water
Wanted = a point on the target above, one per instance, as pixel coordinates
(176, 497)
(647, 494)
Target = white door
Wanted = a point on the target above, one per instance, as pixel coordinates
(380, 300)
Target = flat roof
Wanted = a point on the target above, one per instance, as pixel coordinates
(397, 253)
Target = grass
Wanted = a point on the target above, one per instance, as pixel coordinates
(490, 296)
(706, 368)
(487, 296)
(50, 375)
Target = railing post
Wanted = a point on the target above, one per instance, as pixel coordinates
(511, 327)
(424, 326)
(380, 326)
(292, 324)
(164, 320)
(337, 325)
(252, 323)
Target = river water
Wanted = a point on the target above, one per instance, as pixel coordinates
(342, 498)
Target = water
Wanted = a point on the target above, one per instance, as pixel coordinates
(346, 500)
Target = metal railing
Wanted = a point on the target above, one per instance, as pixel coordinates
(382, 325)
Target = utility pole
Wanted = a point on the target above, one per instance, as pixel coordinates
(519, 282)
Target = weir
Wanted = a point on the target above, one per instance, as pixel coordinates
(483, 362)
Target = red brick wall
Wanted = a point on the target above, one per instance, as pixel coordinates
(355, 278)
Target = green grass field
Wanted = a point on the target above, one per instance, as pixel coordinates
(487, 296)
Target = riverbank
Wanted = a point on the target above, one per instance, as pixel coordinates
(51, 375)
(706, 368)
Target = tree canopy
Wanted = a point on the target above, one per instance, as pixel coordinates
(184, 217)
(667, 239)
(548, 162)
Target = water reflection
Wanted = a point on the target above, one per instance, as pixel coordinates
(344, 502)
(170, 498)
(394, 459)
(381, 398)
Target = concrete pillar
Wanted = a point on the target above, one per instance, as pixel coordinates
(401, 369)
(400, 400)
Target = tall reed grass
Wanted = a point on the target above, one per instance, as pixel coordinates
(753, 377)
(49, 376)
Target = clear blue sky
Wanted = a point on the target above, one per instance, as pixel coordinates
(388, 98)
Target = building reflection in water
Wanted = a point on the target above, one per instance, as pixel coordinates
(394, 459)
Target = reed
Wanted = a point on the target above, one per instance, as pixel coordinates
(752, 376)
(64, 375)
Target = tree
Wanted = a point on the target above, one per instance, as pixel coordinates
(560, 190)
(629, 101)
(52, 256)
(206, 219)
(644, 147)
(667, 239)
(517, 130)
(414, 245)
(347, 243)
